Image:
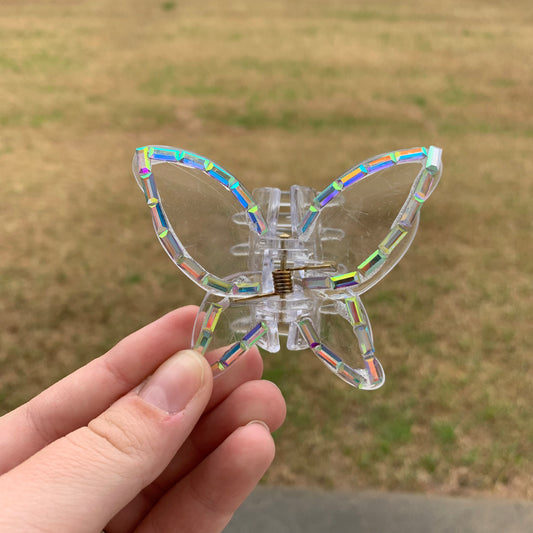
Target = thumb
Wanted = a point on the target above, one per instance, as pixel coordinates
(79, 482)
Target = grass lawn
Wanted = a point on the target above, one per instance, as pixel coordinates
(281, 93)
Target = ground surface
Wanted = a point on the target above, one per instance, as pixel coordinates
(311, 511)
(280, 93)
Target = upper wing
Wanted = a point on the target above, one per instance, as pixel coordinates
(200, 214)
(368, 217)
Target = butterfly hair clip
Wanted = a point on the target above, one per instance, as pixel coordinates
(289, 263)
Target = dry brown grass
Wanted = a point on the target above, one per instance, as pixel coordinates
(282, 92)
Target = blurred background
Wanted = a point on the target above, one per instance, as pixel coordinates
(281, 93)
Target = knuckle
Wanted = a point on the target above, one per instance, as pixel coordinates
(120, 436)
(209, 499)
(43, 429)
(116, 372)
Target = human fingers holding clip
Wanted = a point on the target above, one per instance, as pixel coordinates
(140, 440)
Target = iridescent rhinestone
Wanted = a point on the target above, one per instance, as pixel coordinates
(396, 234)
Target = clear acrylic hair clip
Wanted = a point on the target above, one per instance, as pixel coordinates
(287, 263)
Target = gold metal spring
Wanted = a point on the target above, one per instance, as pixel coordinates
(282, 281)
(282, 277)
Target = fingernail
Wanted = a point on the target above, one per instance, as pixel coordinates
(260, 422)
(175, 382)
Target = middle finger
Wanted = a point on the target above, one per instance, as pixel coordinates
(254, 400)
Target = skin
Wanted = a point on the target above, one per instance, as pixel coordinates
(139, 440)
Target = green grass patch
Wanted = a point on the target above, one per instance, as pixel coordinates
(396, 431)
(444, 433)
(429, 463)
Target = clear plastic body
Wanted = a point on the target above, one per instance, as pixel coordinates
(287, 264)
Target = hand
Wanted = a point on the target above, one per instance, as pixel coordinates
(139, 440)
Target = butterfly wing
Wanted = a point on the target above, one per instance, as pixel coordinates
(202, 215)
(367, 218)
